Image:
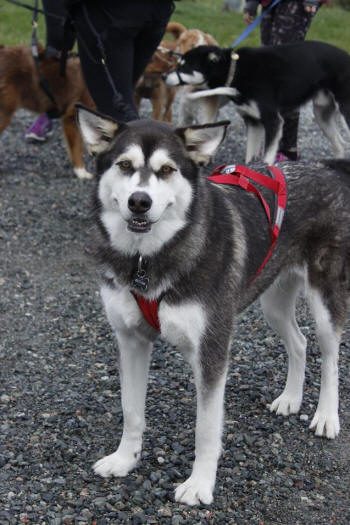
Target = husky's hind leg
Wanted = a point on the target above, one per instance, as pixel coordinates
(326, 419)
(328, 288)
(278, 303)
(327, 115)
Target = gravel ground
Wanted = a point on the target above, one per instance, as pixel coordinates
(59, 388)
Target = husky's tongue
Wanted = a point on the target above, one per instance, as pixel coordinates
(139, 225)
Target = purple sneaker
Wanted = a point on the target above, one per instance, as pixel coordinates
(281, 157)
(40, 130)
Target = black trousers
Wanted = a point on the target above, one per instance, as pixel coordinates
(54, 24)
(127, 33)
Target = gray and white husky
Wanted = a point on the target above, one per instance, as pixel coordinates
(196, 247)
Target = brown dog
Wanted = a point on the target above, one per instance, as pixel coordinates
(191, 38)
(20, 88)
(151, 85)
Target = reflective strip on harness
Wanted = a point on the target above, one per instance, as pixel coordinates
(237, 176)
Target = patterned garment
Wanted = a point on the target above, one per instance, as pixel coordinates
(287, 23)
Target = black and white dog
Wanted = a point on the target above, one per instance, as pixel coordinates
(267, 81)
(169, 235)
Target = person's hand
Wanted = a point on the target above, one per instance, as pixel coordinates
(247, 18)
(310, 9)
(311, 6)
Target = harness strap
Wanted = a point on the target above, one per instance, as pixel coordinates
(149, 310)
(242, 182)
(240, 176)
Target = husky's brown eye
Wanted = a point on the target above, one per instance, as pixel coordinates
(166, 170)
(125, 165)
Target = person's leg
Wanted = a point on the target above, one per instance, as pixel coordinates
(150, 35)
(290, 24)
(111, 87)
(128, 46)
(271, 33)
(41, 129)
(55, 15)
(113, 94)
(266, 28)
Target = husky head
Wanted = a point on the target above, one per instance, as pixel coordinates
(195, 66)
(147, 176)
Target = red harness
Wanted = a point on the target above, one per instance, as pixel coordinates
(149, 310)
(243, 177)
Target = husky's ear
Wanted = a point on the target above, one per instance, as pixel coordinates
(202, 142)
(97, 130)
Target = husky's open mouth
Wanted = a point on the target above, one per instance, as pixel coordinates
(139, 225)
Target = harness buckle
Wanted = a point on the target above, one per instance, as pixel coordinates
(227, 170)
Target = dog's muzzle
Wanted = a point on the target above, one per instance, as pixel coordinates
(139, 204)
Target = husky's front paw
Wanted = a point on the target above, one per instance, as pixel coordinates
(115, 464)
(194, 491)
(82, 173)
(286, 404)
(325, 424)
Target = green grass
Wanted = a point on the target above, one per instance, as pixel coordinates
(16, 24)
(330, 24)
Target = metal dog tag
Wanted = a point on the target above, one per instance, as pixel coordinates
(140, 281)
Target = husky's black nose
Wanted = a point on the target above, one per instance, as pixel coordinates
(139, 202)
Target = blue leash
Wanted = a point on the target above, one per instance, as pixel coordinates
(254, 24)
